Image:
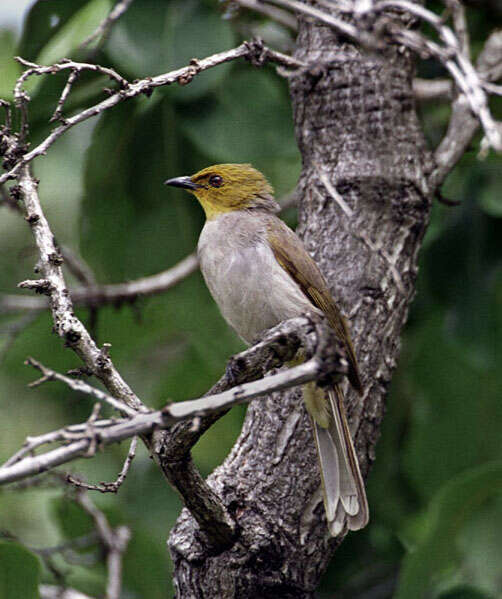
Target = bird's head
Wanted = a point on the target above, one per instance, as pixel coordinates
(226, 187)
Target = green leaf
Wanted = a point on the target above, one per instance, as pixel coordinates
(249, 122)
(448, 512)
(192, 25)
(44, 20)
(9, 68)
(136, 41)
(75, 30)
(71, 518)
(131, 226)
(142, 556)
(155, 37)
(19, 572)
(455, 409)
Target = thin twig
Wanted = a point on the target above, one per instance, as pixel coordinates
(432, 89)
(103, 29)
(452, 55)
(460, 24)
(62, 65)
(463, 125)
(72, 77)
(109, 487)
(78, 385)
(184, 75)
(95, 296)
(326, 362)
(78, 267)
(280, 16)
(65, 435)
(66, 323)
(50, 591)
(323, 176)
(114, 541)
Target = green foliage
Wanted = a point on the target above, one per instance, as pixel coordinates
(44, 22)
(434, 491)
(71, 518)
(19, 572)
(8, 67)
(435, 553)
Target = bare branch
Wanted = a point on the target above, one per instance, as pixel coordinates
(49, 591)
(256, 52)
(107, 487)
(64, 435)
(78, 267)
(78, 385)
(93, 295)
(114, 541)
(432, 89)
(103, 29)
(72, 77)
(101, 295)
(66, 324)
(280, 16)
(62, 65)
(463, 125)
(279, 345)
(452, 54)
(460, 24)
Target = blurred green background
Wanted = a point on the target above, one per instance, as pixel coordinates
(435, 489)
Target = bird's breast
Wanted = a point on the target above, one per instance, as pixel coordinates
(251, 289)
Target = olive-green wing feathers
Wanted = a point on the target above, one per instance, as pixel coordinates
(295, 260)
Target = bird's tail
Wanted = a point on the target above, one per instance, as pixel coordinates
(343, 488)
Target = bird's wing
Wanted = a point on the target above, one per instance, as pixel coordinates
(294, 259)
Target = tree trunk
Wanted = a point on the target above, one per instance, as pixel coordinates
(357, 130)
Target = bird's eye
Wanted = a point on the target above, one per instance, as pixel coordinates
(215, 181)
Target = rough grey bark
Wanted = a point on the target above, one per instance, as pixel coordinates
(356, 128)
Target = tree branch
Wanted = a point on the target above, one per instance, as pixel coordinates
(114, 542)
(463, 125)
(325, 361)
(78, 385)
(109, 487)
(50, 591)
(432, 89)
(95, 296)
(452, 53)
(255, 51)
(103, 29)
(66, 324)
(279, 16)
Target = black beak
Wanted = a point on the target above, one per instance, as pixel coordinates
(184, 182)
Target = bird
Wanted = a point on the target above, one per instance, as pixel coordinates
(260, 274)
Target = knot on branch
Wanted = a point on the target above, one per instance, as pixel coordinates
(258, 52)
(193, 69)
